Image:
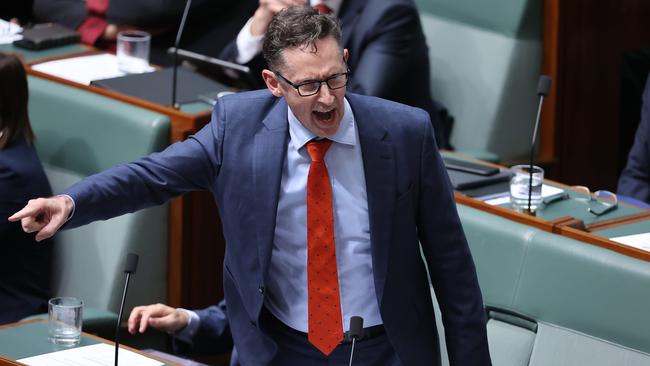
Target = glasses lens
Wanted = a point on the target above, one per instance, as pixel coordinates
(582, 193)
(337, 81)
(309, 88)
(607, 198)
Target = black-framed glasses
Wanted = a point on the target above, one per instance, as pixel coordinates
(310, 87)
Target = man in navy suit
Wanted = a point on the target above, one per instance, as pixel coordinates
(635, 178)
(389, 57)
(385, 211)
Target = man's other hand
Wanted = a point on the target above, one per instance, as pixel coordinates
(157, 316)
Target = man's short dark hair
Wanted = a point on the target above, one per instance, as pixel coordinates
(297, 26)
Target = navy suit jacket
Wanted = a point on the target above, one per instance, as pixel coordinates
(239, 157)
(635, 178)
(389, 57)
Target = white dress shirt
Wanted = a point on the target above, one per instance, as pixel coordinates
(248, 45)
(287, 278)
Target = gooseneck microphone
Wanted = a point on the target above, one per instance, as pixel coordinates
(543, 88)
(355, 332)
(176, 44)
(129, 268)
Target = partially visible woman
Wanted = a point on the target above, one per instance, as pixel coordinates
(25, 265)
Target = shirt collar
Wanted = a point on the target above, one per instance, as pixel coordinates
(335, 5)
(346, 134)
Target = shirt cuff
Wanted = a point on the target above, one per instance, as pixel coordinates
(92, 29)
(186, 334)
(248, 45)
(73, 206)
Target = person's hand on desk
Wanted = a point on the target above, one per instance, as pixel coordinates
(157, 316)
(44, 215)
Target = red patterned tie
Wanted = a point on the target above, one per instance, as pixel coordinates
(322, 8)
(325, 323)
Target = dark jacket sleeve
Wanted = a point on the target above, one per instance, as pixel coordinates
(635, 178)
(213, 336)
(446, 251)
(382, 62)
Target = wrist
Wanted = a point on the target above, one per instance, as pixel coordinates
(260, 23)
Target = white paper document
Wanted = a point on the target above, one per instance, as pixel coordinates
(502, 199)
(83, 69)
(96, 355)
(640, 241)
(9, 32)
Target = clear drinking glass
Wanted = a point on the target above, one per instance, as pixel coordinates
(133, 51)
(519, 187)
(65, 315)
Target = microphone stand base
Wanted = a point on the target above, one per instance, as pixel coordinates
(529, 212)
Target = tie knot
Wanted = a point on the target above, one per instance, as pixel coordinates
(317, 149)
(322, 8)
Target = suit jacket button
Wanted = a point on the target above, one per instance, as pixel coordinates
(261, 290)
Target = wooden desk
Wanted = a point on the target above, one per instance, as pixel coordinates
(29, 338)
(567, 225)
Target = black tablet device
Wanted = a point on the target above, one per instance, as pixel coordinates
(229, 73)
(469, 167)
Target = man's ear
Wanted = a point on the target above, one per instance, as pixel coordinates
(272, 82)
(346, 54)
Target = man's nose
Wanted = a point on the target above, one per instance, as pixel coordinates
(325, 94)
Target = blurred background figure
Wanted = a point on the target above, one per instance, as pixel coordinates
(388, 52)
(210, 24)
(635, 178)
(18, 11)
(26, 265)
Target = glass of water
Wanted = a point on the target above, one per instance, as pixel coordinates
(133, 51)
(519, 188)
(64, 326)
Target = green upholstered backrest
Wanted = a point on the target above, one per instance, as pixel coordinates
(485, 62)
(587, 295)
(80, 133)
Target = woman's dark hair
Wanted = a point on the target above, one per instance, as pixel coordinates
(14, 119)
(297, 26)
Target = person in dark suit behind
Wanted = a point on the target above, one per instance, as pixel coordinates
(329, 202)
(210, 24)
(25, 269)
(389, 57)
(635, 178)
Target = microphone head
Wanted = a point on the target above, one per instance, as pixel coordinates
(131, 263)
(356, 327)
(544, 85)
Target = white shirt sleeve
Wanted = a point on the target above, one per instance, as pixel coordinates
(186, 334)
(73, 206)
(248, 45)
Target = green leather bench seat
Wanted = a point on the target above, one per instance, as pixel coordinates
(81, 133)
(485, 62)
(590, 305)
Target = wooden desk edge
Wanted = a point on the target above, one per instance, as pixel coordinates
(9, 362)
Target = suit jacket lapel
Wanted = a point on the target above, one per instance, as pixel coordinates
(379, 167)
(270, 150)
